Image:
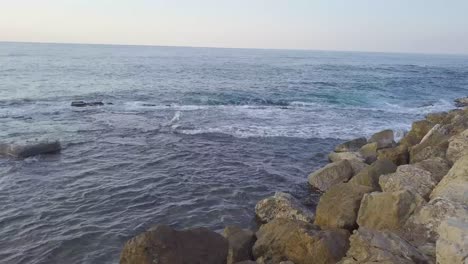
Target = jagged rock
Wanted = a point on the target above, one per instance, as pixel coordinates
(370, 175)
(84, 104)
(408, 177)
(240, 243)
(418, 130)
(369, 152)
(352, 145)
(384, 139)
(461, 102)
(339, 206)
(454, 185)
(29, 150)
(387, 210)
(437, 118)
(371, 246)
(282, 205)
(439, 167)
(452, 245)
(164, 245)
(434, 144)
(331, 174)
(457, 147)
(398, 155)
(299, 242)
(354, 158)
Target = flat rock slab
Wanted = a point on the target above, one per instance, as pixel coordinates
(333, 173)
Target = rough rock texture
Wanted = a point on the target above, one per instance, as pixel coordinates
(331, 174)
(282, 205)
(29, 150)
(352, 145)
(458, 146)
(461, 102)
(434, 144)
(299, 242)
(418, 130)
(370, 175)
(452, 245)
(398, 155)
(371, 246)
(369, 152)
(354, 158)
(384, 139)
(339, 206)
(454, 186)
(240, 242)
(439, 167)
(164, 245)
(437, 118)
(408, 177)
(387, 211)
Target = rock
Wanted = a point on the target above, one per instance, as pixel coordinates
(240, 242)
(354, 158)
(457, 147)
(247, 262)
(352, 145)
(282, 205)
(454, 185)
(418, 130)
(434, 144)
(299, 242)
(437, 118)
(84, 104)
(461, 102)
(29, 150)
(437, 166)
(370, 175)
(398, 155)
(369, 152)
(452, 245)
(339, 206)
(387, 210)
(331, 174)
(384, 139)
(371, 246)
(408, 177)
(164, 245)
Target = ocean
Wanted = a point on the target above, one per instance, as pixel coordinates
(186, 136)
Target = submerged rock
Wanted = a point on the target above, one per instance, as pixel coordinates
(84, 104)
(240, 242)
(352, 145)
(29, 150)
(164, 245)
(331, 174)
(282, 205)
(384, 139)
(299, 242)
(461, 102)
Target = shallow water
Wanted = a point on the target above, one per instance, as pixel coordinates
(194, 137)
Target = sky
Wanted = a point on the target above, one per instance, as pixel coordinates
(422, 26)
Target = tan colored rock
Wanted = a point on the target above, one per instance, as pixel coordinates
(331, 174)
(164, 245)
(339, 206)
(439, 167)
(369, 152)
(437, 118)
(452, 245)
(282, 205)
(434, 144)
(351, 145)
(371, 246)
(418, 130)
(408, 177)
(354, 158)
(398, 155)
(384, 139)
(454, 185)
(387, 211)
(370, 175)
(240, 243)
(458, 146)
(299, 242)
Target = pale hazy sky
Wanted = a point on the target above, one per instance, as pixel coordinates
(429, 26)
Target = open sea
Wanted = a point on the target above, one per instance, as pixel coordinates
(187, 136)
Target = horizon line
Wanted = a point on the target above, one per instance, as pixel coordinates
(240, 48)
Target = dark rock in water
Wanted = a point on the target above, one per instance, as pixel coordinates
(461, 102)
(25, 151)
(384, 139)
(241, 242)
(352, 145)
(164, 245)
(84, 104)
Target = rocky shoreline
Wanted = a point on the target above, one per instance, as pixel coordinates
(382, 202)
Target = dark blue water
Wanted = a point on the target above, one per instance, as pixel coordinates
(194, 136)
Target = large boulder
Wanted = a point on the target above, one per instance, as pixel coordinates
(354, 158)
(387, 210)
(339, 206)
(299, 242)
(418, 130)
(458, 146)
(461, 102)
(164, 245)
(351, 145)
(240, 242)
(452, 245)
(437, 118)
(371, 246)
(398, 155)
(439, 167)
(454, 186)
(434, 144)
(408, 177)
(331, 174)
(370, 176)
(282, 205)
(30, 149)
(384, 139)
